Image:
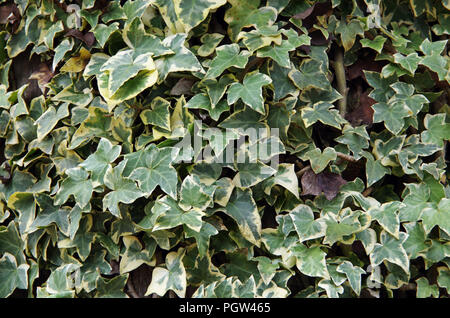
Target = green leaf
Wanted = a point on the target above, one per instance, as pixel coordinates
(437, 216)
(111, 288)
(202, 237)
(172, 277)
(321, 112)
(437, 130)
(242, 208)
(392, 115)
(123, 66)
(155, 169)
(353, 274)
(135, 255)
(376, 44)
(305, 225)
(99, 162)
(227, 56)
(319, 160)
(387, 216)
(390, 249)
(425, 290)
(192, 13)
(252, 173)
(123, 189)
(250, 91)
(158, 115)
(310, 261)
(76, 184)
(181, 60)
(348, 32)
(11, 275)
(135, 36)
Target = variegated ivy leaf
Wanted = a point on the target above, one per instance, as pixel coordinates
(437, 129)
(153, 168)
(12, 275)
(341, 225)
(387, 216)
(246, 14)
(353, 274)
(416, 243)
(250, 91)
(125, 65)
(227, 56)
(76, 184)
(310, 260)
(181, 60)
(349, 31)
(242, 208)
(167, 214)
(210, 42)
(194, 194)
(305, 225)
(135, 36)
(123, 189)
(252, 173)
(425, 290)
(158, 115)
(285, 177)
(321, 112)
(135, 255)
(414, 202)
(99, 162)
(391, 114)
(280, 53)
(202, 237)
(192, 13)
(319, 160)
(437, 216)
(171, 277)
(390, 249)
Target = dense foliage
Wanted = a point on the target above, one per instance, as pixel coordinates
(98, 198)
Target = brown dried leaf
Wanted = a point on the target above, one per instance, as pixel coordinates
(182, 87)
(326, 182)
(43, 75)
(88, 38)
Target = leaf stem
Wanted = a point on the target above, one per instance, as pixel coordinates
(339, 69)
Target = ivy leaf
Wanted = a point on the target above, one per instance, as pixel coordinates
(305, 225)
(99, 162)
(437, 129)
(252, 173)
(280, 53)
(392, 115)
(416, 243)
(310, 261)
(226, 57)
(414, 202)
(192, 13)
(158, 115)
(202, 237)
(172, 277)
(157, 170)
(376, 44)
(409, 62)
(193, 194)
(135, 255)
(50, 213)
(11, 275)
(391, 250)
(181, 60)
(326, 182)
(250, 91)
(76, 184)
(349, 31)
(242, 208)
(425, 290)
(135, 36)
(168, 215)
(387, 216)
(111, 288)
(319, 160)
(321, 112)
(123, 66)
(353, 274)
(439, 216)
(123, 189)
